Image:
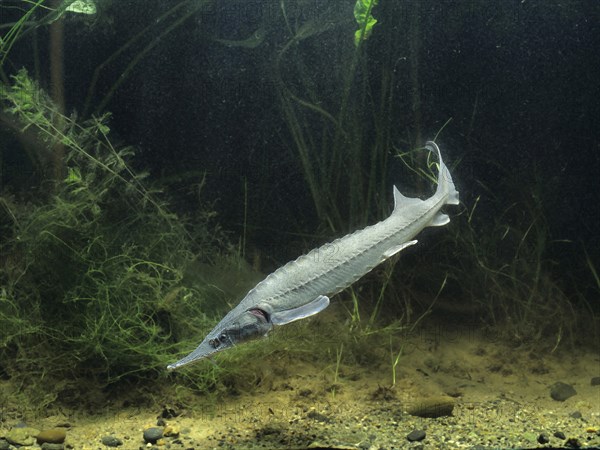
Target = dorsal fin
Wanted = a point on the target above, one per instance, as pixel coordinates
(401, 201)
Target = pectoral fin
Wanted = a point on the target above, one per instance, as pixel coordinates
(439, 220)
(310, 309)
(393, 250)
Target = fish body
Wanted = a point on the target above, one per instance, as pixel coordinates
(302, 287)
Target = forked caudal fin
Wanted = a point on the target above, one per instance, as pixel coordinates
(445, 183)
(445, 190)
(445, 187)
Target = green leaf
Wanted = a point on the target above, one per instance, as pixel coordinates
(74, 175)
(82, 7)
(364, 19)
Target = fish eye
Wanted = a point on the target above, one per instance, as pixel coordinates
(222, 339)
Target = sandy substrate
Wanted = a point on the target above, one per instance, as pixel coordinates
(487, 394)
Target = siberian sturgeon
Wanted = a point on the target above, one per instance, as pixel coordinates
(301, 288)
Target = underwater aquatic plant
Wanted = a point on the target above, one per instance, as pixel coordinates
(502, 265)
(15, 30)
(35, 14)
(92, 275)
(342, 137)
(363, 13)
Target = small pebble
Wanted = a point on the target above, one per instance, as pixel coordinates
(543, 438)
(318, 417)
(575, 415)
(21, 436)
(169, 412)
(111, 441)
(560, 391)
(51, 446)
(432, 407)
(171, 431)
(52, 436)
(560, 435)
(416, 435)
(153, 434)
(595, 381)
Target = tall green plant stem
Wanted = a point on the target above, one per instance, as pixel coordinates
(196, 6)
(13, 34)
(342, 165)
(415, 59)
(57, 91)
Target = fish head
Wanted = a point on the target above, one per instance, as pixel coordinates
(249, 325)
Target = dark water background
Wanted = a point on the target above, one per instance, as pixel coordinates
(520, 80)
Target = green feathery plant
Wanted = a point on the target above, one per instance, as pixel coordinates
(92, 278)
